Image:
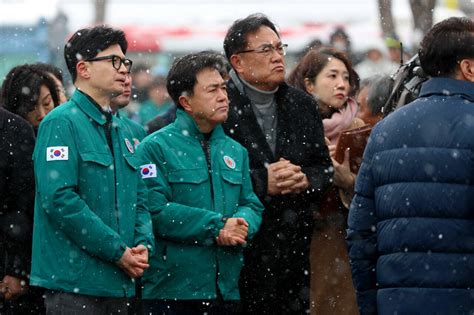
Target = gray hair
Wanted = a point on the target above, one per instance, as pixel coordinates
(380, 87)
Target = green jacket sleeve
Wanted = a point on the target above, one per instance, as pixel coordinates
(143, 225)
(171, 220)
(57, 188)
(250, 208)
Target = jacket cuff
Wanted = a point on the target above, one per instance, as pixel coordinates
(220, 225)
(118, 253)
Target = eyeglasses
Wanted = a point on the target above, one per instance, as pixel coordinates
(116, 62)
(268, 49)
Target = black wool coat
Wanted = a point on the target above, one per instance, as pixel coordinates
(287, 223)
(17, 191)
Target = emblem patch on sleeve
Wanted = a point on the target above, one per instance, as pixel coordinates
(148, 170)
(57, 154)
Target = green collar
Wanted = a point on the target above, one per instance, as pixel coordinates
(85, 103)
(188, 127)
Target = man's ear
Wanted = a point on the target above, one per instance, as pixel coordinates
(467, 69)
(237, 63)
(186, 103)
(82, 70)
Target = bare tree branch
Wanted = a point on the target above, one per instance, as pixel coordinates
(422, 11)
(99, 11)
(386, 18)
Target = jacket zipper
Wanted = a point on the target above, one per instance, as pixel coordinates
(207, 152)
(108, 135)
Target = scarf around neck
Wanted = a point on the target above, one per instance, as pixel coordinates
(340, 120)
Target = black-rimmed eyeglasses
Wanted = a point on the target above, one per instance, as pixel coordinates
(266, 50)
(116, 61)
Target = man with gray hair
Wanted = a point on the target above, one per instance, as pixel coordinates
(372, 95)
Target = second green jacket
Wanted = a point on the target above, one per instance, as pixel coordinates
(188, 200)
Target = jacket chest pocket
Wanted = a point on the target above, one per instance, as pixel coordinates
(190, 186)
(231, 189)
(96, 164)
(132, 161)
(96, 182)
(127, 180)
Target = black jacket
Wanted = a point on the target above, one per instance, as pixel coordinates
(17, 190)
(277, 260)
(300, 139)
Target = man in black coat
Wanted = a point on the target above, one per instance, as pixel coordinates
(289, 162)
(17, 191)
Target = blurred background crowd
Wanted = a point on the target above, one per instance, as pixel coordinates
(376, 34)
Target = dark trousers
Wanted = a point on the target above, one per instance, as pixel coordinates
(62, 303)
(136, 301)
(273, 283)
(30, 303)
(191, 307)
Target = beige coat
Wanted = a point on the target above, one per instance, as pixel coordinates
(332, 291)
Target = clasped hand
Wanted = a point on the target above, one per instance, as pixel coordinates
(233, 233)
(285, 177)
(134, 261)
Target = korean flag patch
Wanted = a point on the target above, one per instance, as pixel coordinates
(57, 154)
(148, 170)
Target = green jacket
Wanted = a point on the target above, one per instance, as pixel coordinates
(135, 129)
(149, 110)
(187, 213)
(89, 203)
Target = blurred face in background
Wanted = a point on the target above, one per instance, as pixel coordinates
(43, 106)
(123, 99)
(364, 110)
(60, 89)
(331, 86)
(158, 94)
(374, 55)
(340, 43)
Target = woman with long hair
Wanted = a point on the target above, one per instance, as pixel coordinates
(328, 76)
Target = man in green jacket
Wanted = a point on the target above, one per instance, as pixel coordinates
(92, 230)
(201, 199)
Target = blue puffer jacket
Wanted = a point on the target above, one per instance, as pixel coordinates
(411, 223)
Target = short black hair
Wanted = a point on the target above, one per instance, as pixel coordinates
(445, 44)
(87, 43)
(21, 89)
(224, 65)
(47, 67)
(236, 37)
(182, 75)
